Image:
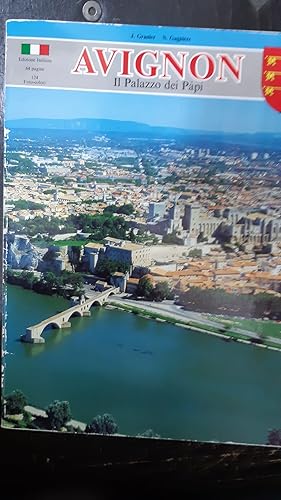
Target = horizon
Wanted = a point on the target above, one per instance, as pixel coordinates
(193, 131)
(187, 113)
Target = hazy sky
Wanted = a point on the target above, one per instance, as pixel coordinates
(181, 112)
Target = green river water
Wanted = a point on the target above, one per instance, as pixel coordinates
(180, 383)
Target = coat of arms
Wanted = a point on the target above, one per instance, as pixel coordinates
(271, 77)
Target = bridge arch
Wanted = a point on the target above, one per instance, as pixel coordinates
(52, 325)
(73, 315)
(95, 303)
(61, 319)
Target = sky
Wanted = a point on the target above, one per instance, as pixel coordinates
(229, 116)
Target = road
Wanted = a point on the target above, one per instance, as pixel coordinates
(168, 308)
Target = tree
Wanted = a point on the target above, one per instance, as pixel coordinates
(100, 226)
(74, 255)
(58, 179)
(26, 205)
(48, 284)
(28, 279)
(214, 301)
(58, 414)
(162, 291)
(132, 236)
(15, 402)
(145, 288)
(110, 209)
(126, 209)
(195, 253)
(171, 239)
(103, 424)
(73, 280)
(106, 267)
(274, 437)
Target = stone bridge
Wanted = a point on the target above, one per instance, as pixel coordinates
(33, 333)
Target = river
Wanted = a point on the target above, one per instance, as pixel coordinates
(148, 375)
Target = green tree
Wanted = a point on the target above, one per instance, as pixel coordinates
(110, 209)
(196, 253)
(28, 279)
(48, 284)
(26, 205)
(101, 226)
(74, 254)
(58, 414)
(132, 236)
(171, 239)
(215, 301)
(162, 291)
(102, 424)
(126, 209)
(58, 179)
(145, 288)
(73, 280)
(15, 402)
(106, 267)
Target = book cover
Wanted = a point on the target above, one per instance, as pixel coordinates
(143, 231)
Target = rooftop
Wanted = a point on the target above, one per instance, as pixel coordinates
(123, 244)
(222, 272)
(93, 245)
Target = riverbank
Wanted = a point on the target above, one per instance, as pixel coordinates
(148, 374)
(222, 330)
(36, 414)
(66, 285)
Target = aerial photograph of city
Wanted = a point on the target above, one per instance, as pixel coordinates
(143, 265)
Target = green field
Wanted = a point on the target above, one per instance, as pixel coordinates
(261, 327)
(61, 243)
(71, 243)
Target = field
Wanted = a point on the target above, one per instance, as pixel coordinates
(261, 327)
(61, 243)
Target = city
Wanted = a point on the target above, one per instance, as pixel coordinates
(144, 267)
(194, 217)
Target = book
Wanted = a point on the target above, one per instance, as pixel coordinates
(143, 231)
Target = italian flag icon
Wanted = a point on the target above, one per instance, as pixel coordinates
(35, 49)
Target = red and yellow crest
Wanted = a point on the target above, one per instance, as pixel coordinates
(271, 77)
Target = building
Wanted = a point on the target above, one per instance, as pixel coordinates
(117, 250)
(257, 229)
(92, 252)
(156, 209)
(197, 222)
(119, 280)
(55, 170)
(129, 253)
